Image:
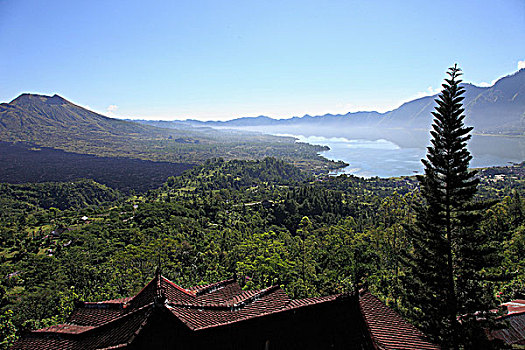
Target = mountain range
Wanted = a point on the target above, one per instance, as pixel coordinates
(498, 109)
(52, 121)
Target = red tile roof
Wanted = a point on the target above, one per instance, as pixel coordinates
(201, 316)
(514, 333)
(65, 328)
(515, 306)
(388, 329)
(115, 332)
(115, 323)
(86, 315)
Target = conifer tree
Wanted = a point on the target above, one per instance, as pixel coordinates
(444, 282)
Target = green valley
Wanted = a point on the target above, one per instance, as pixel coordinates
(265, 222)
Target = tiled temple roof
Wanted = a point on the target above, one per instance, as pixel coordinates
(74, 337)
(115, 323)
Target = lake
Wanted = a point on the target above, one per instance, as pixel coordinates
(387, 158)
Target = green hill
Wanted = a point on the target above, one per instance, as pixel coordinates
(55, 122)
(62, 195)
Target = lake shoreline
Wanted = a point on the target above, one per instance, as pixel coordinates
(371, 157)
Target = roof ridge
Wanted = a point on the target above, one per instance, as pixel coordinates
(213, 287)
(227, 305)
(133, 336)
(323, 297)
(113, 301)
(252, 298)
(142, 290)
(515, 313)
(298, 303)
(105, 304)
(62, 329)
(93, 328)
(188, 292)
(285, 308)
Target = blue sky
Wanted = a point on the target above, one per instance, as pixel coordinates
(227, 59)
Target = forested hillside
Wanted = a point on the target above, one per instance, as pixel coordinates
(69, 195)
(264, 222)
(54, 122)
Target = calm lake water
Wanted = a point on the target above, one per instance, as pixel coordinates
(384, 158)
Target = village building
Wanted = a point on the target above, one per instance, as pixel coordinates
(164, 315)
(513, 334)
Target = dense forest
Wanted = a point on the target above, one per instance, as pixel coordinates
(264, 222)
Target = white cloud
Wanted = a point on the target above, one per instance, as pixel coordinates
(485, 84)
(521, 64)
(112, 108)
(429, 92)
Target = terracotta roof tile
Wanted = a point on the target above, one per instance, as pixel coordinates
(515, 306)
(115, 323)
(113, 301)
(388, 329)
(263, 302)
(311, 301)
(115, 332)
(65, 328)
(514, 333)
(120, 331)
(208, 288)
(220, 292)
(94, 317)
(43, 343)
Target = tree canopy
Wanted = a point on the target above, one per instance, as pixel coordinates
(446, 266)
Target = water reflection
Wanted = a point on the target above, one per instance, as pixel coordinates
(401, 153)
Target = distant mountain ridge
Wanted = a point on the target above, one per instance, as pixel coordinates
(498, 109)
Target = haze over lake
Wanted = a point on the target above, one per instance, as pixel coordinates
(399, 153)
(369, 158)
